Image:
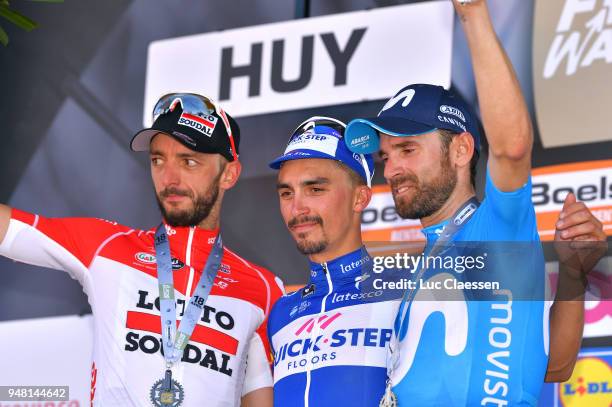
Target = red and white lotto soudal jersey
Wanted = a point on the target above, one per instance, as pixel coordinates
(116, 267)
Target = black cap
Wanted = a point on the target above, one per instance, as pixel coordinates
(202, 132)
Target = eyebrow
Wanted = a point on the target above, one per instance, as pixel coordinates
(179, 155)
(186, 155)
(308, 182)
(399, 146)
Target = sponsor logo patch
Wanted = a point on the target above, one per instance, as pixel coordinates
(177, 264)
(145, 258)
(590, 384)
(452, 111)
(203, 124)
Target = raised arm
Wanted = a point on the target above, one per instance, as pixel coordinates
(504, 113)
(5, 217)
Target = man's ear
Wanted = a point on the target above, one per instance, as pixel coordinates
(363, 195)
(462, 149)
(230, 174)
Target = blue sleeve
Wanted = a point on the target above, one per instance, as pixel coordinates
(509, 207)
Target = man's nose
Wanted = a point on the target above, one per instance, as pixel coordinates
(299, 206)
(391, 168)
(171, 175)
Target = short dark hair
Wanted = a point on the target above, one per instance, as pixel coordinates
(356, 179)
(446, 137)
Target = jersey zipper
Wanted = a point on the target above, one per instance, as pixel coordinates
(188, 261)
(179, 370)
(315, 332)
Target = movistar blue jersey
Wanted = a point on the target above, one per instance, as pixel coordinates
(470, 352)
(330, 338)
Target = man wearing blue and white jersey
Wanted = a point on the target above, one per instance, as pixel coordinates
(463, 352)
(330, 338)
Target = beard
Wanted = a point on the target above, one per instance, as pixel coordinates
(428, 197)
(201, 205)
(305, 246)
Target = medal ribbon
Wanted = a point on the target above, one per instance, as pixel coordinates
(174, 343)
(463, 214)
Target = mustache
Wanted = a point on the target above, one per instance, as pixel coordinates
(304, 219)
(174, 191)
(394, 183)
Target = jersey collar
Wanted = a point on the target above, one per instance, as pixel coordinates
(347, 266)
(433, 232)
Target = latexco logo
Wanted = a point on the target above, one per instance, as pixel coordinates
(572, 55)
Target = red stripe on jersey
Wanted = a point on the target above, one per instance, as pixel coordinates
(201, 334)
(22, 216)
(199, 119)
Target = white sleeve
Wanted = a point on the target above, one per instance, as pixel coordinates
(258, 372)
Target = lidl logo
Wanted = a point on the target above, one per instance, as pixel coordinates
(590, 384)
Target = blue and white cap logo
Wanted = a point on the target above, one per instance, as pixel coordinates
(367, 140)
(323, 137)
(415, 110)
(324, 140)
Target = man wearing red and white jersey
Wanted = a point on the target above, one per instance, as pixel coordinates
(193, 147)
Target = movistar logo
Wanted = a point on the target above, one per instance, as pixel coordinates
(406, 95)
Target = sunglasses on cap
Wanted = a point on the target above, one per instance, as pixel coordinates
(336, 126)
(198, 107)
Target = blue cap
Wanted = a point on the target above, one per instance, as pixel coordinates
(414, 110)
(322, 137)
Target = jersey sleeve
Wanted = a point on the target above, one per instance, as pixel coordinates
(68, 244)
(259, 357)
(509, 212)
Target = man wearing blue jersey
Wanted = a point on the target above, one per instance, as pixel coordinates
(330, 338)
(329, 341)
(464, 352)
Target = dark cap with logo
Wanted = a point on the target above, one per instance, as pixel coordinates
(414, 110)
(196, 122)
